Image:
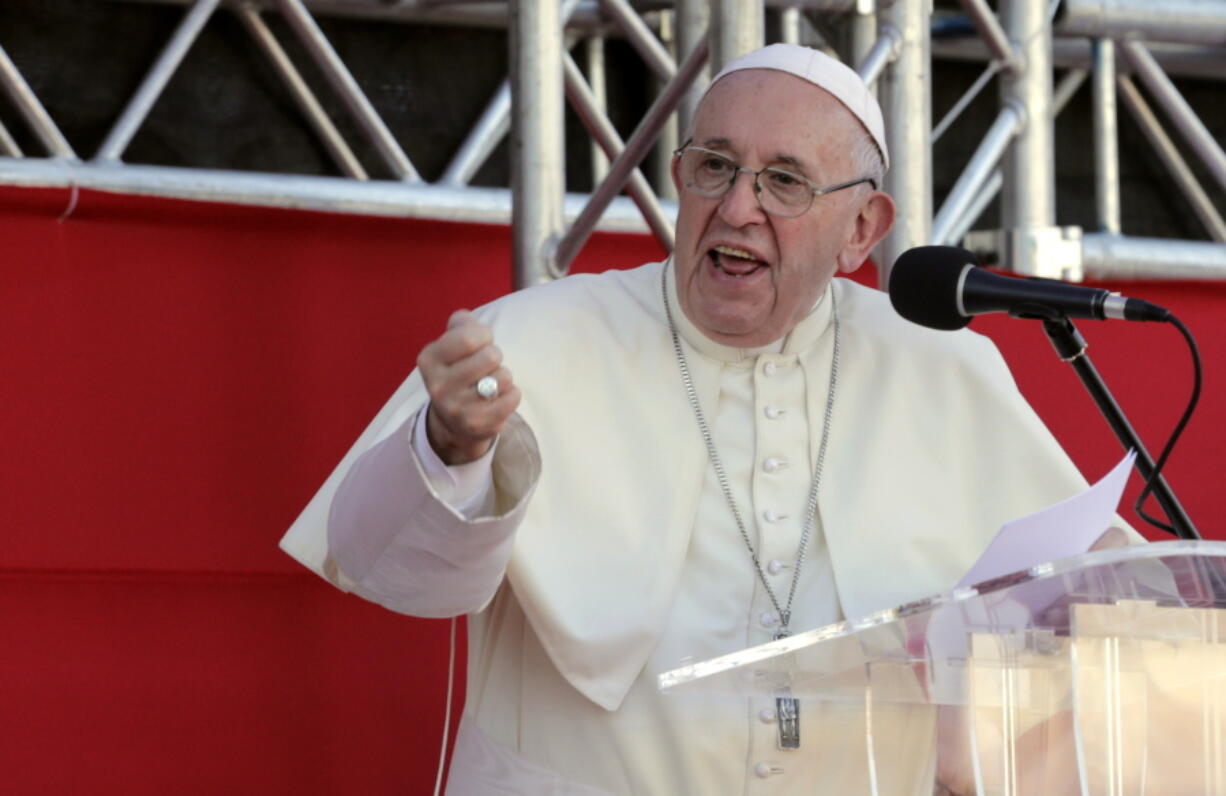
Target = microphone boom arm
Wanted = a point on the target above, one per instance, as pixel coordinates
(1071, 347)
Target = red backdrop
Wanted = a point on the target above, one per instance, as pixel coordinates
(178, 378)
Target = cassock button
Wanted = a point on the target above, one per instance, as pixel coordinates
(767, 716)
(769, 368)
(773, 412)
(767, 619)
(764, 770)
(772, 464)
(775, 567)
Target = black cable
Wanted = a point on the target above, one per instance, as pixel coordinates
(1179, 427)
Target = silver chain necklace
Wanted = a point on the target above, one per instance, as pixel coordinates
(784, 611)
(787, 707)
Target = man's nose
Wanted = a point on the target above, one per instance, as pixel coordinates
(739, 205)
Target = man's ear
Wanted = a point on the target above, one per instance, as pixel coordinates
(874, 220)
(674, 165)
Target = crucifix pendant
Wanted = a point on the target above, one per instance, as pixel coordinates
(787, 713)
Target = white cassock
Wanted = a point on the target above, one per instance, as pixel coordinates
(610, 555)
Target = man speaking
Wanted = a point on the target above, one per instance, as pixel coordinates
(615, 474)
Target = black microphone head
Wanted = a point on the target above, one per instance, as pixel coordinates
(924, 285)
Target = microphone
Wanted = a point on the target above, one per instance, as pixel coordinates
(943, 287)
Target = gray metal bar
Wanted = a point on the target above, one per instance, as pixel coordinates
(350, 93)
(32, 110)
(155, 81)
(1029, 197)
(737, 27)
(490, 129)
(1193, 21)
(1009, 122)
(538, 159)
(864, 34)
(1066, 88)
(331, 138)
(641, 38)
(884, 50)
(906, 101)
(1106, 256)
(596, 81)
(967, 97)
(477, 14)
(693, 18)
(789, 25)
(1169, 154)
(1106, 138)
(299, 192)
(1064, 92)
(636, 148)
(482, 140)
(1177, 108)
(993, 35)
(8, 145)
(1180, 60)
(585, 105)
(669, 139)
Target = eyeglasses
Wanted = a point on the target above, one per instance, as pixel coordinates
(708, 173)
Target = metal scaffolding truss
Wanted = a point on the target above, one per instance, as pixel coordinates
(1126, 48)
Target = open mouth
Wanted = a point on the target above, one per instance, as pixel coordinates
(734, 262)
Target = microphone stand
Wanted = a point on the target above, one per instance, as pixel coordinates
(1071, 347)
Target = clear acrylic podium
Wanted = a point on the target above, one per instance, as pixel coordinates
(1099, 674)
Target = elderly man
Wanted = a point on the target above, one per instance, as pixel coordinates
(693, 457)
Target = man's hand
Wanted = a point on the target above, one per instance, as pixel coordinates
(461, 425)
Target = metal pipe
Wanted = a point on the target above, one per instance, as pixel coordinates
(693, 18)
(1177, 108)
(967, 97)
(1106, 139)
(1182, 60)
(670, 134)
(957, 231)
(864, 34)
(155, 81)
(907, 103)
(538, 159)
(1029, 196)
(303, 97)
(8, 144)
(32, 110)
(1169, 154)
(1065, 90)
(884, 50)
(636, 148)
(993, 35)
(1193, 21)
(789, 25)
(338, 76)
(641, 38)
(584, 102)
(492, 126)
(737, 27)
(1106, 256)
(596, 80)
(1009, 122)
(301, 192)
(482, 140)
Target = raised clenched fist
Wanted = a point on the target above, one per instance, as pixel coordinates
(462, 424)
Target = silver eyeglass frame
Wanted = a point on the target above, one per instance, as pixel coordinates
(757, 186)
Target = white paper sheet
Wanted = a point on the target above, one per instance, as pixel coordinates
(1065, 529)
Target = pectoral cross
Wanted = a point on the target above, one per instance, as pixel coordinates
(787, 712)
